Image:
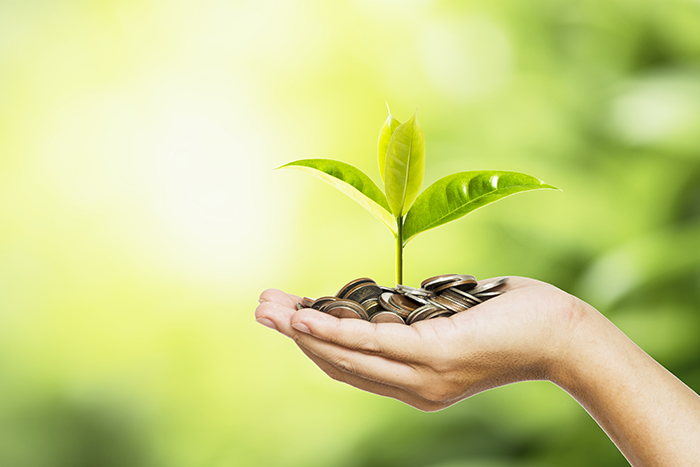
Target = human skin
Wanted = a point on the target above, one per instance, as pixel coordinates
(533, 332)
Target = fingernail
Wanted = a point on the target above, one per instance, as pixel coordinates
(301, 327)
(267, 322)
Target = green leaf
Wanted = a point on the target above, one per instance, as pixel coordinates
(385, 132)
(351, 181)
(458, 194)
(405, 166)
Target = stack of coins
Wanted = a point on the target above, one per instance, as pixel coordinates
(438, 296)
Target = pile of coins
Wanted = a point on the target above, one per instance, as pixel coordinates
(438, 296)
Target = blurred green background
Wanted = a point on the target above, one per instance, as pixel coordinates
(140, 215)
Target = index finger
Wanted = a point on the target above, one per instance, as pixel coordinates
(394, 341)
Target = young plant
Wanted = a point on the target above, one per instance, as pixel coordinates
(403, 209)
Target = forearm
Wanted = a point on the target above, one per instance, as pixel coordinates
(651, 416)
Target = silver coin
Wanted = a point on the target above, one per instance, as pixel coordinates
(467, 296)
(418, 298)
(450, 305)
(488, 285)
(465, 283)
(440, 314)
(386, 303)
(463, 301)
(490, 294)
(420, 313)
(459, 305)
(320, 302)
(436, 281)
(307, 302)
(362, 292)
(372, 306)
(343, 292)
(406, 290)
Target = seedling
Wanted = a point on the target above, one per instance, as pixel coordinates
(402, 207)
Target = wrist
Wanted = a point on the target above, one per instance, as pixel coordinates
(585, 343)
(595, 351)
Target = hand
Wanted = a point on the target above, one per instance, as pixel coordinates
(535, 331)
(520, 335)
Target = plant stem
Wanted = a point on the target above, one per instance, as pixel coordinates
(399, 250)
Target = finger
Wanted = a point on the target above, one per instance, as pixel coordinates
(275, 295)
(374, 387)
(277, 316)
(394, 341)
(371, 367)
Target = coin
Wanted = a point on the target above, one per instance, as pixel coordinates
(436, 281)
(466, 283)
(447, 304)
(406, 290)
(423, 300)
(439, 314)
(352, 284)
(299, 306)
(346, 309)
(321, 301)
(438, 296)
(457, 305)
(489, 284)
(404, 302)
(421, 313)
(491, 294)
(386, 317)
(385, 302)
(467, 296)
(372, 306)
(363, 291)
